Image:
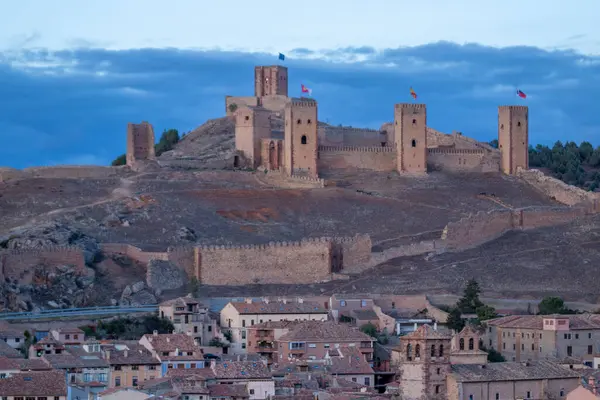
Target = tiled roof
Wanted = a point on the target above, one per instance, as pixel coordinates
(275, 325)
(48, 340)
(576, 321)
(229, 391)
(7, 351)
(171, 342)
(69, 330)
(319, 331)
(364, 314)
(133, 356)
(510, 371)
(11, 333)
(198, 373)
(22, 364)
(279, 308)
(38, 384)
(181, 302)
(69, 360)
(241, 370)
(351, 362)
(426, 332)
(241, 357)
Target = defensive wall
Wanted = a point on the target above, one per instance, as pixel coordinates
(60, 172)
(462, 160)
(349, 136)
(556, 189)
(17, 263)
(351, 157)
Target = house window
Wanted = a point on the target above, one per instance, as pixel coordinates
(343, 303)
(433, 350)
(251, 391)
(569, 351)
(577, 336)
(243, 345)
(67, 336)
(522, 346)
(562, 392)
(441, 350)
(363, 303)
(243, 334)
(514, 346)
(210, 328)
(303, 139)
(195, 329)
(470, 397)
(528, 393)
(299, 121)
(367, 381)
(394, 306)
(519, 124)
(118, 381)
(532, 347)
(503, 346)
(309, 122)
(590, 349)
(589, 335)
(135, 367)
(497, 396)
(243, 323)
(134, 381)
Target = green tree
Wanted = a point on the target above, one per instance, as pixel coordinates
(369, 329)
(486, 312)
(455, 321)
(232, 107)
(469, 302)
(168, 140)
(121, 160)
(216, 342)
(228, 336)
(494, 356)
(551, 305)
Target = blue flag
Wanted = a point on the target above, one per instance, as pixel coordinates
(281, 57)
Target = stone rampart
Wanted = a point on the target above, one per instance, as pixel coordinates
(15, 263)
(274, 103)
(462, 160)
(183, 257)
(133, 252)
(73, 171)
(554, 188)
(308, 261)
(349, 136)
(356, 250)
(352, 157)
(8, 174)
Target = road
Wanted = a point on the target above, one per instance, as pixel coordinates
(78, 312)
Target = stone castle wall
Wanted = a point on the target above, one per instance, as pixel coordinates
(134, 252)
(349, 157)
(356, 250)
(337, 136)
(60, 172)
(16, 263)
(462, 160)
(554, 188)
(240, 101)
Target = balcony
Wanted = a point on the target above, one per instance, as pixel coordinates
(264, 347)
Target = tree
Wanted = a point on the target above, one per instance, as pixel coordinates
(168, 140)
(194, 285)
(228, 336)
(454, 320)
(121, 160)
(232, 107)
(216, 342)
(486, 312)
(494, 356)
(551, 305)
(469, 302)
(369, 329)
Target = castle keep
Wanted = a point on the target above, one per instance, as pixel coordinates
(407, 145)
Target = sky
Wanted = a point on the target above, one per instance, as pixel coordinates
(73, 74)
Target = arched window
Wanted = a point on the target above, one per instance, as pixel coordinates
(308, 122)
(461, 344)
(299, 121)
(519, 123)
(408, 352)
(433, 350)
(414, 121)
(418, 351)
(441, 350)
(471, 344)
(303, 139)
(413, 143)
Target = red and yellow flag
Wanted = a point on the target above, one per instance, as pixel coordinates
(413, 94)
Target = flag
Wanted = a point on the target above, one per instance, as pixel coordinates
(413, 94)
(521, 94)
(281, 56)
(306, 90)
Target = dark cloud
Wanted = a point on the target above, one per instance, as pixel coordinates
(75, 105)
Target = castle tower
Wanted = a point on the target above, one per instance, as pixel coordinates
(300, 147)
(140, 142)
(410, 136)
(252, 124)
(270, 80)
(513, 137)
(423, 361)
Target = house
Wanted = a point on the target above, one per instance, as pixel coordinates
(47, 345)
(510, 380)
(465, 347)
(588, 388)
(174, 350)
(189, 315)
(7, 351)
(262, 338)
(255, 375)
(349, 363)
(236, 317)
(130, 364)
(229, 392)
(34, 385)
(68, 336)
(314, 339)
(14, 338)
(11, 366)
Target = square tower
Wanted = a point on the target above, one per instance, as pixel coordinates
(410, 135)
(252, 124)
(513, 137)
(270, 80)
(301, 143)
(140, 142)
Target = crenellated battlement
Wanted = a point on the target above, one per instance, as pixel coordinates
(351, 239)
(410, 105)
(518, 108)
(41, 250)
(302, 102)
(436, 150)
(319, 181)
(386, 149)
(335, 129)
(271, 245)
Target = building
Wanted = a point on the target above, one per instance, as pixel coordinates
(262, 338)
(12, 337)
(140, 143)
(11, 366)
(34, 385)
(350, 363)
(47, 345)
(513, 137)
(588, 388)
(122, 393)
(236, 317)
(466, 347)
(313, 340)
(510, 380)
(189, 315)
(7, 351)
(255, 375)
(130, 364)
(174, 350)
(538, 337)
(422, 361)
(68, 336)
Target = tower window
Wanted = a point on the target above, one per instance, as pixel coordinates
(247, 118)
(414, 121)
(308, 122)
(413, 143)
(519, 123)
(502, 126)
(299, 121)
(303, 139)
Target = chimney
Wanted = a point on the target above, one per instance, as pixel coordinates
(300, 300)
(435, 325)
(155, 333)
(168, 339)
(107, 354)
(125, 354)
(248, 300)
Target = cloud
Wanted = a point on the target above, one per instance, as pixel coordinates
(75, 105)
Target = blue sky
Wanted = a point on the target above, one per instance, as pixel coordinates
(72, 76)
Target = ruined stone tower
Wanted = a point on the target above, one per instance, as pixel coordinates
(252, 124)
(300, 151)
(270, 80)
(140, 142)
(423, 360)
(513, 138)
(410, 136)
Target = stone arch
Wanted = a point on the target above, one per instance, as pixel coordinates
(461, 344)
(409, 352)
(418, 351)
(471, 344)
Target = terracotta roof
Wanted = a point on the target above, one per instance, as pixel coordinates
(135, 356)
(229, 391)
(275, 325)
(171, 342)
(69, 330)
(241, 370)
(23, 364)
(198, 373)
(38, 384)
(11, 333)
(67, 360)
(426, 332)
(324, 331)
(279, 308)
(351, 362)
(364, 314)
(576, 321)
(512, 371)
(7, 351)
(48, 340)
